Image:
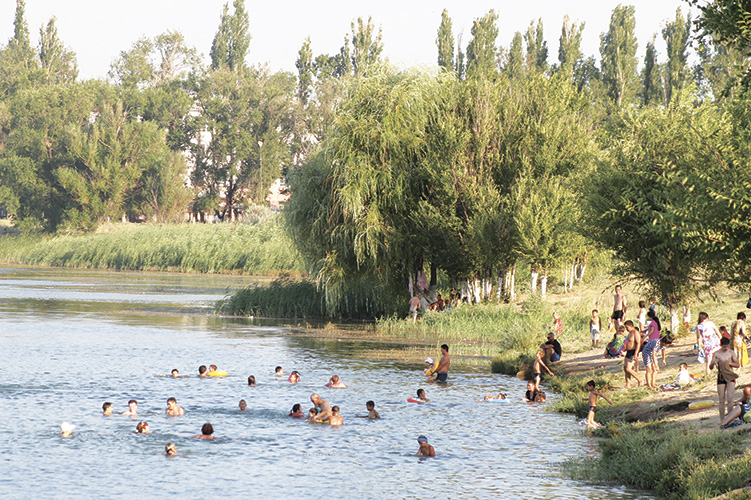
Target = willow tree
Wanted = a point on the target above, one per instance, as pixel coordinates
(374, 203)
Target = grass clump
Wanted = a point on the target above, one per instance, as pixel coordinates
(261, 248)
(672, 460)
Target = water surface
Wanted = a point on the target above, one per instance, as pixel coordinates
(71, 340)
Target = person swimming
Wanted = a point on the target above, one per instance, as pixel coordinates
(132, 408)
(170, 449)
(278, 371)
(335, 419)
(372, 413)
(143, 428)
(173, 409)
(335, 383)
(202, 371)
(66, 429)
(107, 408)
(294, 377)
(296, 411)
(207, 432)
(252, 381)
(490, 396)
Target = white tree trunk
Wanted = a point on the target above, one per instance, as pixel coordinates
(533, 284)
(572, 274)
(544, 284)
(477, 288)
(501, 288)
(512, 285)
(580, 274)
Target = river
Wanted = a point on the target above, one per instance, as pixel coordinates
(74, 339)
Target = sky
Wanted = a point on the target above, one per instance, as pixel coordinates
(98, 30)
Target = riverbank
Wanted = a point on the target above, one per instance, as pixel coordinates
(258, 247)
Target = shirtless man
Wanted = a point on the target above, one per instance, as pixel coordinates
(631, 346)
(619, 308)
(107, 409)
(442, 371)
(414, 305)
(325, 408)
(132, 408)
(725, 360)
(173, 409)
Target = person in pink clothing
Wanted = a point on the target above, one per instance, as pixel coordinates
(707, 338)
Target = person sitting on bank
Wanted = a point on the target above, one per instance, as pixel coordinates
(438, 305)
(552, 349)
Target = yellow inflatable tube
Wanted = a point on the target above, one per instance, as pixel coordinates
(700, 405)
(217, 373)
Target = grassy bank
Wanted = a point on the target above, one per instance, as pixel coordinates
(674, 461)
(260, 248)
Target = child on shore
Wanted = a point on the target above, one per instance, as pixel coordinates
(593, 395)
(372, 413)
(595, 325)
(426, 450)
(335, 419)
(537, 367)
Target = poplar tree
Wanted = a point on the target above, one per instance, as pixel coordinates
(445, 42)
(481, 50)
(537, 47)
(230, 45)
(618, 51)
(304, 66)
(366, 45)
(676, 36)
(59, 65)
(515, 58)
(652, 89)
(569, 46)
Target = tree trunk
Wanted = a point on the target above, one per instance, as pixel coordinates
(433, 282)
(501, 288)
(543, 284)
(565, 279)
(674, 320)
(477, 289)
(533, 284)
(512, 286)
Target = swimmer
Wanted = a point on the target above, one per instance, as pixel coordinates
(421, 396)
(107, 409)
(242, 405)
(212, 368)
(173, 409)
(425, 449)
(67, 429)
(335, 383)
(531, 393)
(278, 371)
(143, 428)
(372, 413)
(335, 419)
(490, 396)
(537, 367)
(252, 381)
(170, 450)
(592, 398)
(324, 407)
(207, 432)
(312, 413)
(132, 408)
(175, 373)
(296, 411)
(202, 371)
(294, 377)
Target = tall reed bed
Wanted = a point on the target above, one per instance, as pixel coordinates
(262, 248)
(674, 461)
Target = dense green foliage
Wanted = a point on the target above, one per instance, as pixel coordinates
(261, 248)
(672, 460)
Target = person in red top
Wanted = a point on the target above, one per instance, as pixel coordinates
(557, 324)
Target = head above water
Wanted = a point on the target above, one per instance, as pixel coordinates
(315, 399)
(142, 428)
(202, 369)
(170, 449)
(171, 401)
(335, 410)
(207, 429)
(422, 439)
(107, 408)
(251, 380)
(175, 372)
(296, 408)
(278, 370)
(67, 429)
(335, 379)
(421, 393)
(212, 368)
(242, 404)
(370, 405)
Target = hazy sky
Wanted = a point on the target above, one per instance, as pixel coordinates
(98, 30)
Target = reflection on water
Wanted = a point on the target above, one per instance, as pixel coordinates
(72, 340)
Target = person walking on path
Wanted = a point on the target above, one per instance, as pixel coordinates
(619, 307)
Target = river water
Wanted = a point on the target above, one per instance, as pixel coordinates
(72, 340)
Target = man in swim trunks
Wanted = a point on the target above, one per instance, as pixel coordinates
(324, 408)
(442, 371)
(173, 409)
(619, 307)
(537, 367)
(132, 408)
(631, 346)
(725, 360)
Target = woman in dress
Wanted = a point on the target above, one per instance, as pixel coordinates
(707, 338)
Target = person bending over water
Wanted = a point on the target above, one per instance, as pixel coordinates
(372, 413)
(335, 419)
(173, 409)
(207, 432)
(296, 411)
(132, 408)
(143, 428)
(335, 383)
(426, 450)
(107, 408)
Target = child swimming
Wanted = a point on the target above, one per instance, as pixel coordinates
(335, 383)
(372, 413)
(335, 419)
(242, 404)
(426, 450)
(294, 377)
(297, 411)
